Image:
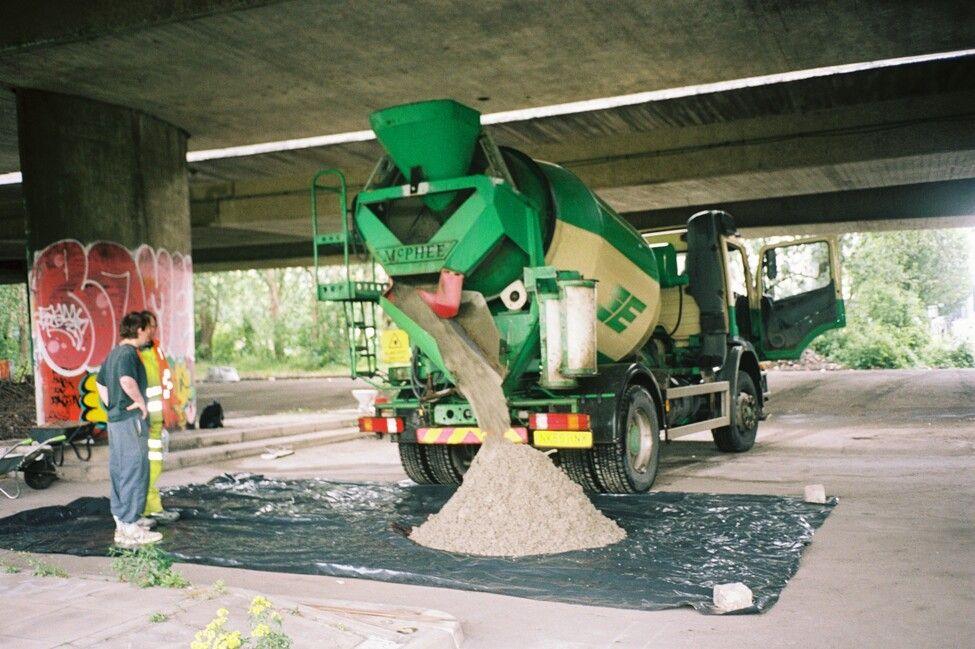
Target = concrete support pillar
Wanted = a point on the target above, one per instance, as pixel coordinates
(107, 206)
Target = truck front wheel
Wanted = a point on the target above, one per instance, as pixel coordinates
(740, 436)
(629, 464)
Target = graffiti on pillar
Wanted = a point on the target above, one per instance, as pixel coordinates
(79, 294)
(91, 407)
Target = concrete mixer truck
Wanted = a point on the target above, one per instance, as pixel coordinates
(609, 342)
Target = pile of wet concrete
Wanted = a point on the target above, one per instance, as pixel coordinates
(513, 501)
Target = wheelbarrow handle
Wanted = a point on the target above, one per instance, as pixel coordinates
(23, 442)
(10, 450)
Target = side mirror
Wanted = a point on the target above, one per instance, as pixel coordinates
(771, 268)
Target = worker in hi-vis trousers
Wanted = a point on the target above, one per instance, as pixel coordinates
(159, 380)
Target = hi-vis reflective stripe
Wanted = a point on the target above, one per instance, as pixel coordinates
(155, 443)
(167, 381)
(154, 405)
(155, 455)
(154, 391)
(465, 435)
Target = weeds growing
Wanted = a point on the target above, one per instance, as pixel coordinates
(8, 568)
(146, 567)
(44, 569)
(266, 630)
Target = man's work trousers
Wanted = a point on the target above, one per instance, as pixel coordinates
(155, 457)
(128, 467)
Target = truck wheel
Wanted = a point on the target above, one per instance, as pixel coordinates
(629, 464)
(740, 436)
(578, 465)
(411, 457)
(449, 462)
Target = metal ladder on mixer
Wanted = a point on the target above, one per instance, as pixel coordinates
(359, 298)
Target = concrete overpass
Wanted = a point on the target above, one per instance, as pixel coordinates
(793, 115)
(829, 148)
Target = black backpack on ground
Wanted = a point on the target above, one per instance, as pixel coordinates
(212, 416)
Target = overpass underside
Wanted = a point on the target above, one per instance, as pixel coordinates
(735, 110)
(878, 149)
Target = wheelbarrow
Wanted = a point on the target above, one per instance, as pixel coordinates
(76, 434)
(35, 460)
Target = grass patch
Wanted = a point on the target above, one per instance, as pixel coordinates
(259, 368)
(146, 567)
(8, 568)
(44, 569)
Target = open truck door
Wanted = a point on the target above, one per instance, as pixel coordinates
(798, 286)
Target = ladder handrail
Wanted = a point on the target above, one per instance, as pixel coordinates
(345, 217)
(367, 314)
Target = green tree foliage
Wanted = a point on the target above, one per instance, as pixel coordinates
(890, 278)
(269, 319)
(15, 329)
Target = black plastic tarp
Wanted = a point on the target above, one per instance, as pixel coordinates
(678, 545)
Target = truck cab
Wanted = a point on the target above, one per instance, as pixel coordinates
(778, 306)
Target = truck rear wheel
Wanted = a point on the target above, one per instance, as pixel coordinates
(448, 463)
(629, 464)
(411, 456)
(578, 465)
(740, 436)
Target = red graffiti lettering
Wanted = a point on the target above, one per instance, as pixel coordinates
(79, 295)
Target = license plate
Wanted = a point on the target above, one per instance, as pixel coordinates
(563, 438)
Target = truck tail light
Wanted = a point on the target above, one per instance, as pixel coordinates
(381, 424)
(558, 421)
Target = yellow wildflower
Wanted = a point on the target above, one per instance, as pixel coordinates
(260, 631)
(259, 604)
(233, 640)
(222, 612)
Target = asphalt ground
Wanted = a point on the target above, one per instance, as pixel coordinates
(893, 566)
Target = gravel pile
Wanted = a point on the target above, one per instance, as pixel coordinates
(809, 361)
(513, 501)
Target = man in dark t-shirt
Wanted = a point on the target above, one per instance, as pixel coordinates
(121, 386)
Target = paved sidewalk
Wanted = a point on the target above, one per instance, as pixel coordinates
(93, 611)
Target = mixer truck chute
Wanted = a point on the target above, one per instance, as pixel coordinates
(608, 342)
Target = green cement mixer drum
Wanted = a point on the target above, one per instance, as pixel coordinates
(458, 215)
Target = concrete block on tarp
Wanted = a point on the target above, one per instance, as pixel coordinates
(732, 597)
(815, 493)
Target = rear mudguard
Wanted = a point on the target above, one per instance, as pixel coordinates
(614, 379)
